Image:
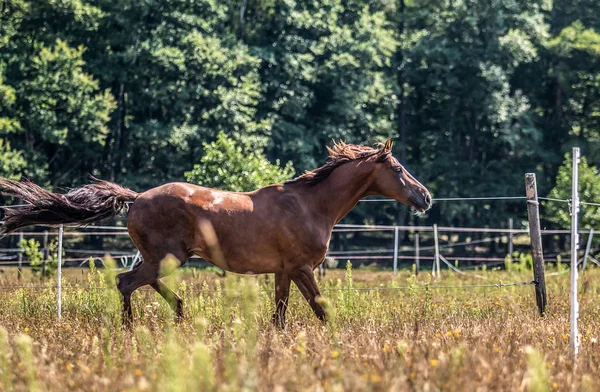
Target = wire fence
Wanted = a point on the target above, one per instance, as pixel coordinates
(357, 254)
(364, 254)
(353, 254)
(324, 289)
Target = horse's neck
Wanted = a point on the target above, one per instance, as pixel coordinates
(333, 198)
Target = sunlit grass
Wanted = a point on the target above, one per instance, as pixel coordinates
(412, 337)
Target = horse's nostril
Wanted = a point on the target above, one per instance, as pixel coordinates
(428, 198)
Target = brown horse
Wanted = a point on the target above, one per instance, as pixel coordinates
(282, 229)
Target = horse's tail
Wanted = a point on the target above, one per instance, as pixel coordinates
(89, 203)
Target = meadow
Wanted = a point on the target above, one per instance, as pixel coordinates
(406, 336)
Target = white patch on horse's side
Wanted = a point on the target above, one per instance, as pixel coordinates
(217, 199)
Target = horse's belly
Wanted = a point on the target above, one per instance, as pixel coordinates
(253, 263)
(250, 263)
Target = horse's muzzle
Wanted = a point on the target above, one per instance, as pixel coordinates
(422, 202)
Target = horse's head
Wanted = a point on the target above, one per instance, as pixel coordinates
(392, 180)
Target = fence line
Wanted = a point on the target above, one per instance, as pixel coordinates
(556, 200)
(481, 198)
(325, 289)
(437, 199)
(337, 228)
(483, 260)
(446, 229)
(589, 204)
(412, 248)
(453, 199)
(455, 269)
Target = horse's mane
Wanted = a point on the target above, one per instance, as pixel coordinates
(339, 154)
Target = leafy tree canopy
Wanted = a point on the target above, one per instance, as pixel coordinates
(228, 166)
(475, 93)
(589, 190)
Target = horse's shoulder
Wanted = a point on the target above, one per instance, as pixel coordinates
(289, 202)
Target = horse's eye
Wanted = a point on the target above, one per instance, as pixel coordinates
(399, 169)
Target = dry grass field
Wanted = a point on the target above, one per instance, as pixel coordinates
(417, 337)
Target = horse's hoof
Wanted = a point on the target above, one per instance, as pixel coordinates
(278, 322)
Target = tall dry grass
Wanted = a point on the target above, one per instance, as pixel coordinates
(413, 338)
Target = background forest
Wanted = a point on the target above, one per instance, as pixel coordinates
(475, 93)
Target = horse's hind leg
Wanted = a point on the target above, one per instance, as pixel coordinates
(128, 282)
(148, 273)
(171, 297)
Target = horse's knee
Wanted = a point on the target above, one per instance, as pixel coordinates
(123, 284)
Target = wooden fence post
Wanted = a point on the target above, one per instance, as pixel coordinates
(536, 241)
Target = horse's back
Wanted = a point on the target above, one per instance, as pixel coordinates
(195, 196)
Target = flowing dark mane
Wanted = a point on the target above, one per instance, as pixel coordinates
(339, 154)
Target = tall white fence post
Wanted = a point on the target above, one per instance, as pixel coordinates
(59, 272)
(574, 249)
(510, 238)
(395, 249)
(436, 261)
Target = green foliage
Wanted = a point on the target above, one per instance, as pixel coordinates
(518, 262)
(35, 256)
(55, 116)
(12, 162)
(576, 37)
(62, 100)
(477, 93)
(326, 74)
(537, 377)
(8, 96)
(228, 166)
(24, 345)
(5, 358)
(589, 190)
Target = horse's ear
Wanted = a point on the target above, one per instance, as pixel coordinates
(388, 145)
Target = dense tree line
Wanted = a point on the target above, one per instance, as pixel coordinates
(476, 93)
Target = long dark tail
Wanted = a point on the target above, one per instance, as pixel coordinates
(89, 203)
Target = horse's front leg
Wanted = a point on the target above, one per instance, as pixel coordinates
(305, 280)
(282, 293)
